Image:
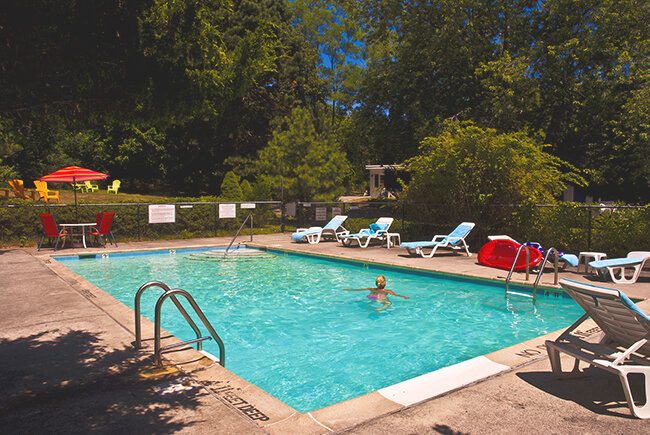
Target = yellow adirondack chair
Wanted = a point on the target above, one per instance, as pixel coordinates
(19, 190)
(45, 193)
(90, 187)
(114, 188)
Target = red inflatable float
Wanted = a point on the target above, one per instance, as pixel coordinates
(501, 253)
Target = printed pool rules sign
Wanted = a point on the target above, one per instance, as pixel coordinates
(162, 213)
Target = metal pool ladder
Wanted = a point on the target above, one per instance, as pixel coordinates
(512, 268)
(541, 268)
(171, 293)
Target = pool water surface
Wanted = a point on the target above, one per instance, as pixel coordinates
(289, 328)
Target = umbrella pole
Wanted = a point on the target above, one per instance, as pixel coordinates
(74, 187)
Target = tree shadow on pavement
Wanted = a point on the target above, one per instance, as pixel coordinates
(69, 382)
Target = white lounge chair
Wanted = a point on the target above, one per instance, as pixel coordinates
(333, 229)
(376, 231)
(624, 348)
(453, 240)
(616, 267)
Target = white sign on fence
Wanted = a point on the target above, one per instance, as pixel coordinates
(290, 209)
(227, 211)
(321, 214)
(336, 211)
(162, 213)
(247, 205)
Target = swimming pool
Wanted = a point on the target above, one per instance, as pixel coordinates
(290, 329)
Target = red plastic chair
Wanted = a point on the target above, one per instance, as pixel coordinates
(103, 228)
(50, 230)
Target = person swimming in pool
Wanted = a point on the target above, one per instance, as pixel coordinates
(380, 293)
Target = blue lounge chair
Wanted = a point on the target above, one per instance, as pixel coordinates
(333, 229)
(376, 231)
(454, 240)
(616, 267)
(624, 349)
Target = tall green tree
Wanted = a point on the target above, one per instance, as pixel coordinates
(304, 156)
(333, 29)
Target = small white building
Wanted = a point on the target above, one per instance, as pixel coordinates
(377, 173)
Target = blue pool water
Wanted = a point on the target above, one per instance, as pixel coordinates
(290, 329)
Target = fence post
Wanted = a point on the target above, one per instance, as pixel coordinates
(281, 204)
(138, 219)
(216, 217)
(589, 230)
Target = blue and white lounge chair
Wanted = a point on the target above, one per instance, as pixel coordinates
(616, 267)
(376, 231)
(623, 350)
(333, 229)
(453, 240)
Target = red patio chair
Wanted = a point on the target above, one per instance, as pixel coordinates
(103, 228)
(50, 230)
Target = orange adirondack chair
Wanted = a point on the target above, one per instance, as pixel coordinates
(45, 193)
(19, 190)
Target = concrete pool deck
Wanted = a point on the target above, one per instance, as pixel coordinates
(69, 366)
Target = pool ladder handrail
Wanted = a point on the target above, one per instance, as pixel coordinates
(512, 268)
(169, 293)
(541, 270)
(250, 215)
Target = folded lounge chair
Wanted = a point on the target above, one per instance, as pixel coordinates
(624, 349)
(453, 240)
(376, 231)
(616, 267)
(333, 229)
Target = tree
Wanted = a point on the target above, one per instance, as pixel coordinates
(230, 188)
(466, 165)
(332, 29)
(304, 154)
(207, 76)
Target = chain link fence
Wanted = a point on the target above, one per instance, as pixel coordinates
(569, 227)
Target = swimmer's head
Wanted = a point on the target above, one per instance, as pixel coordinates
(380, 281)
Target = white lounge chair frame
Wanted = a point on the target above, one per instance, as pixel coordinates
(444, 241)
(617, 272)
(314, 234)
(623, 350)
(378, 235)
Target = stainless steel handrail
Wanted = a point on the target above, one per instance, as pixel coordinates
(541, 270)
(158, 350)
(250, 215)
(165, 288)
(512, 268)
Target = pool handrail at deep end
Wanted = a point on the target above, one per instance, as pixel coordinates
(171, 294)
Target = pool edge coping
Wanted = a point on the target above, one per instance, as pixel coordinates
(337, 416)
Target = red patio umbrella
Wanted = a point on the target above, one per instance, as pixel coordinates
(72, 174)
